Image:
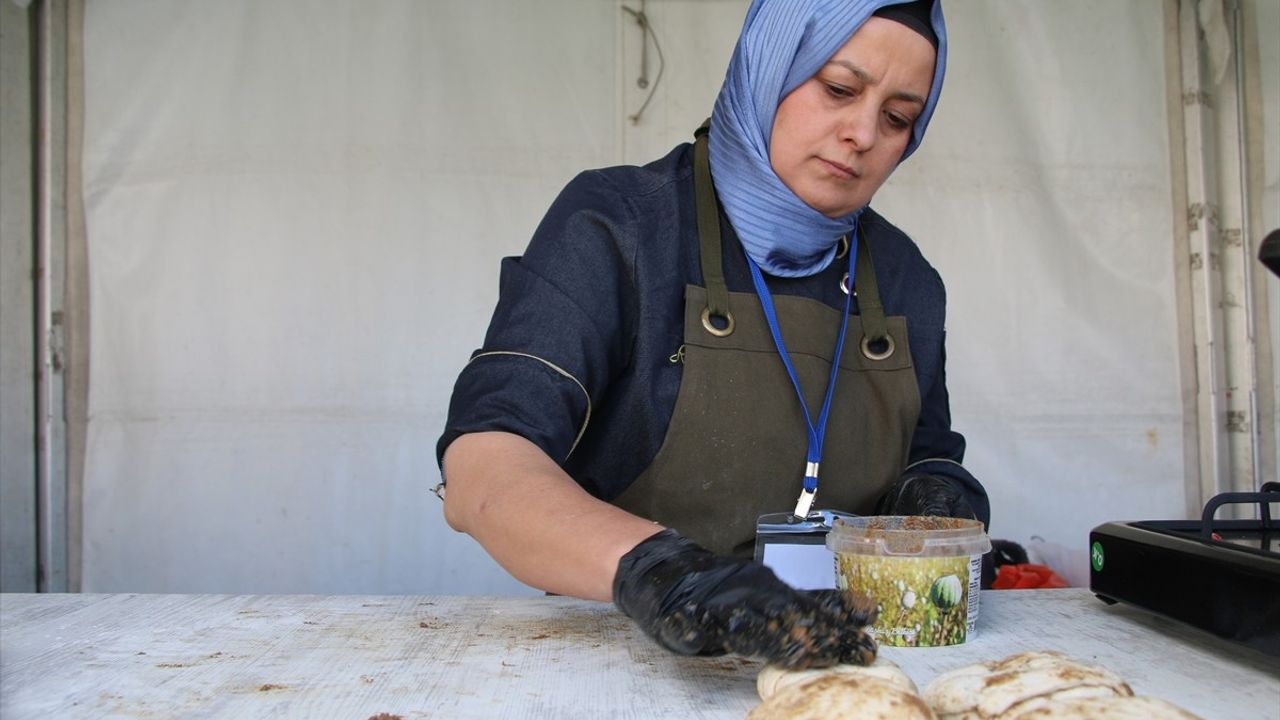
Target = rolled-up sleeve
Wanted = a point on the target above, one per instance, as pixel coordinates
(557, 335)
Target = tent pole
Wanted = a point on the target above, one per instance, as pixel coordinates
(50, 494)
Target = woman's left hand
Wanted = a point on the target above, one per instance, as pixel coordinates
(926, 495)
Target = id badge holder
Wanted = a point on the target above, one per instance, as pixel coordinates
(796, 550)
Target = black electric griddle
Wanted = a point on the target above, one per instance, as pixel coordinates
(1222, 576)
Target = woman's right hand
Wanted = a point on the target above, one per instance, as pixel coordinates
(694, 602)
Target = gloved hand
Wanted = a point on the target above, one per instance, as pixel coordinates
(694, 602)
(926, 495)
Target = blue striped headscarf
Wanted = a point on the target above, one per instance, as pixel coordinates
(783, 44)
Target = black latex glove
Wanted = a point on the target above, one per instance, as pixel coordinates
(926, 495)
(694, 602)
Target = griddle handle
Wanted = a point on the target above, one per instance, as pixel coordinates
(1263, 499)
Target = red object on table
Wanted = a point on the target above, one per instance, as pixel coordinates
(1025, 576)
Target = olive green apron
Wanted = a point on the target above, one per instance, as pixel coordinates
(736, 445)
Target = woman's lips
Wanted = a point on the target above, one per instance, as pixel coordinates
(844, 172)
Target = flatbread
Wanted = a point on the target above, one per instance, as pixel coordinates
(1028, 660)
(773, 678)
(954, 694)
(1023, 682)
(1082, 692)
(1105, 708)
(841, 695)
(1004, 690)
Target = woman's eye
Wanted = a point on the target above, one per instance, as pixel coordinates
(898, 122)
(839, 91)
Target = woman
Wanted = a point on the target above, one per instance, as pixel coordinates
(657, 358)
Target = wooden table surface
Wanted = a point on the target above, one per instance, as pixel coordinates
(360, 657)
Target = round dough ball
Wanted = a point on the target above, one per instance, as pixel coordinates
(842, 695)
(1105, 708)
(954, 694)
(1019, 682)
(1083, 692)
(773, 678)
(1005, 690)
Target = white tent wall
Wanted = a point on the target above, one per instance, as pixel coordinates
(18, 528)
(295, 213)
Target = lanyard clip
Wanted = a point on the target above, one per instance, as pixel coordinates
(804, 503)
(807, 494)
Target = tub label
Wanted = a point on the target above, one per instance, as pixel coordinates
(975, 586)
(922, 601)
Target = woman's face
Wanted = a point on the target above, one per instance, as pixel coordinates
(839, 134)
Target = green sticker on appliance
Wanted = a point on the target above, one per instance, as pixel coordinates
(1095, 556)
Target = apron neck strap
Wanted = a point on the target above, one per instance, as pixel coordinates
(874, 327)
(708, 214)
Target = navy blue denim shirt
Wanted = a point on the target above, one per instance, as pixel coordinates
(581, 354)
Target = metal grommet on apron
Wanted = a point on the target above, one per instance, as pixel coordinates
(736, 445)
(870, 354)
(710, 326)
(877, 342)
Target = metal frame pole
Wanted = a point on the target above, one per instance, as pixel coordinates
(50, 495)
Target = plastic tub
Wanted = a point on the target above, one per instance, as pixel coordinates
(922, 572)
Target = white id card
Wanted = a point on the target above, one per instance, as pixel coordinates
(796, 550)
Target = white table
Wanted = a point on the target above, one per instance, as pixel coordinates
(354, 657)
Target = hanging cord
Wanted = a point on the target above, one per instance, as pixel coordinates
(642, 82)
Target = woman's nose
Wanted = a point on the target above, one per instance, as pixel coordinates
(859, 128)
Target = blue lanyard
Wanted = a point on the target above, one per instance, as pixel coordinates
(816, 432)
